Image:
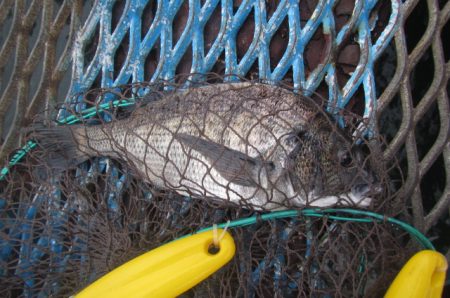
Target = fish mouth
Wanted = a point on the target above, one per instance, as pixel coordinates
(362, 194)
(366, 190)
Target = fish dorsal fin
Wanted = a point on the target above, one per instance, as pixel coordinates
(232, 165)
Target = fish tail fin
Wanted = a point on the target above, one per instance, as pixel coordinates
(60, 145)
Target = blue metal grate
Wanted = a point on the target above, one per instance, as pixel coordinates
(160, 34)
(133, 69)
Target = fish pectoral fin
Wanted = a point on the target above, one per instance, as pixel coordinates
(232, 165)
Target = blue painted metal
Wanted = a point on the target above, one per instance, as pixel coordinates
(160, 34)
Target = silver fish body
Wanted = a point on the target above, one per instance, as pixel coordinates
(256, 145)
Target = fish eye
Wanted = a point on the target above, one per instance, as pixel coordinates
(346, 160)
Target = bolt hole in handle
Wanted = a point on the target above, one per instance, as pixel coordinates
(422, 276)
(213, 249)
(168, 270)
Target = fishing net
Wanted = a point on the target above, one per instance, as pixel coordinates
(175, 172)
(65, 221)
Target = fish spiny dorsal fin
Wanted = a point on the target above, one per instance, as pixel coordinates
(232, 165)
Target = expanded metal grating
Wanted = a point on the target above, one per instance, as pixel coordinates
(110, 43)
(161, 35)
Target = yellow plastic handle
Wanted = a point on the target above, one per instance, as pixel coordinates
(166, 271)
(422, 276)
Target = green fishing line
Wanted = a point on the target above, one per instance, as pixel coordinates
(335, 214)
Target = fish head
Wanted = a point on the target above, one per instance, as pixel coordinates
(328, 164)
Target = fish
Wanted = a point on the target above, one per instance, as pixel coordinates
(254, 145)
